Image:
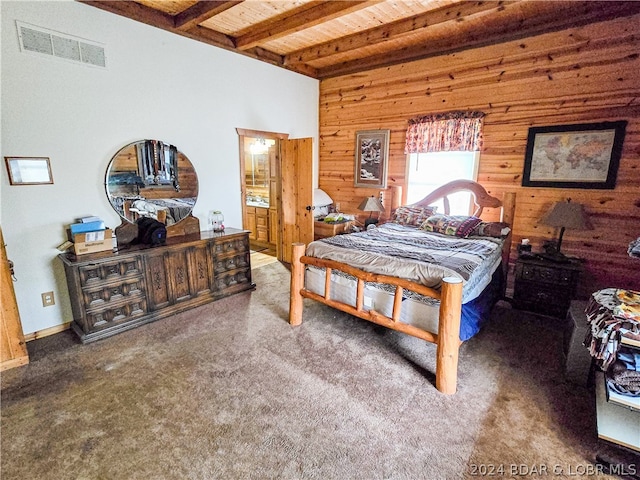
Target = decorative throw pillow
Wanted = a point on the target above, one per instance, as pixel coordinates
(412, 216)
(491, 229)
(454, 225)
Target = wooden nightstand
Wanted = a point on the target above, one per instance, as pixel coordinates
(323, 229)
(544, 286)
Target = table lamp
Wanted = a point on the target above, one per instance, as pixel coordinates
(564, 215)
(321, 202)
(371, 204)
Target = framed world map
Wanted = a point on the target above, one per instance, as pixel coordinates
(574, 156)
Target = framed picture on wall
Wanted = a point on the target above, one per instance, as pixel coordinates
(372, 151)
(29, 170)
(574, 156)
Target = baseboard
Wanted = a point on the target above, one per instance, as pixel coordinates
(47, 331)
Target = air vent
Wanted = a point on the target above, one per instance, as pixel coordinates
(47, 42)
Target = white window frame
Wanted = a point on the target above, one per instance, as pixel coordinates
(461, 202)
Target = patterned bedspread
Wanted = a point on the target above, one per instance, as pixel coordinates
(419, 256)
(178, 208)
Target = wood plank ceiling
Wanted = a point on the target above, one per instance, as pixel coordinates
(325, 39)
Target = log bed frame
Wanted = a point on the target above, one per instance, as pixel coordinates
(447, 339)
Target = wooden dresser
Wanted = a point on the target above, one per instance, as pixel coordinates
(112, 292)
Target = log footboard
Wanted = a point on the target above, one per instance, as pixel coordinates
(447, 339)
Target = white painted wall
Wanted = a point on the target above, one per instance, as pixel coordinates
(156, 85)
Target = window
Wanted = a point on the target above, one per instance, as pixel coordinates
(428, 171)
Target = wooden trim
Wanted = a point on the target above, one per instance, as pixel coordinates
(245, 132)
(47, 331)
(13, 350)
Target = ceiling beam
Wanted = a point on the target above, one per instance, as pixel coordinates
(201, 11)
(141, 13)
(209, 36)
(134, 11)
(557, 16)
(276, 59)
(165, 21)
(384, 33)
(307, 16)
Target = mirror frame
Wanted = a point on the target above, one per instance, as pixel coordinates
(165, 208)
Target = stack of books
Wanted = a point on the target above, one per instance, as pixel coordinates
(89, 235)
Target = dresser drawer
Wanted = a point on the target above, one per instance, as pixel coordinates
(226, 281)
(114, 314)
(237, 245)
(225, 264)
(112, 270)
(102, 294)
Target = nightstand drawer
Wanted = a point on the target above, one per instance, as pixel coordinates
(546, 275)
(540, 296)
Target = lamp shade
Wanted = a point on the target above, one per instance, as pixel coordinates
(568, 215)
(320, 198)
(371, 204)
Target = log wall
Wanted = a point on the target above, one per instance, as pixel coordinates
(582, 75)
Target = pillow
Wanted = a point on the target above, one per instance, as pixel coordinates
(491, 229)
(412, 216)
(454, 225)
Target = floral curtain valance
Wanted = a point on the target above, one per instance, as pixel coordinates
(443, 132)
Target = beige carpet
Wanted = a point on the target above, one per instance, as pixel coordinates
(231, 391)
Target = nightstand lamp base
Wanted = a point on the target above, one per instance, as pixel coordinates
(370, 221)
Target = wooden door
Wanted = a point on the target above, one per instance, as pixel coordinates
(13, 349)
(297, 194)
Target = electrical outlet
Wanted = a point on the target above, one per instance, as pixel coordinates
(48, 299)
(338, 207)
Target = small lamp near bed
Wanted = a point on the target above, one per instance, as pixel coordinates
(564, 215)
(371, 204)
(321, 202)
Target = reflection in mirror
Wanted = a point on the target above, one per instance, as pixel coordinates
(150, 178)
(259, 154)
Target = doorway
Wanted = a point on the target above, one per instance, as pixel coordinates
(276, 193)
(260, 187)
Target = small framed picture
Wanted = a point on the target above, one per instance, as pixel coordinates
(29, 170)
(372, 150)
(574, 156)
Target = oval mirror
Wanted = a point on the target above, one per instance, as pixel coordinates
(150, 178)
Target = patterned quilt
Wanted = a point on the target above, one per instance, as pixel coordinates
(414, 254)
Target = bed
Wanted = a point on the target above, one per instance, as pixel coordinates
(166, 210)
(425, 273)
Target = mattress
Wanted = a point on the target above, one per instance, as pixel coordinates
(416, 255)
(419, 256)
(417, 310)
